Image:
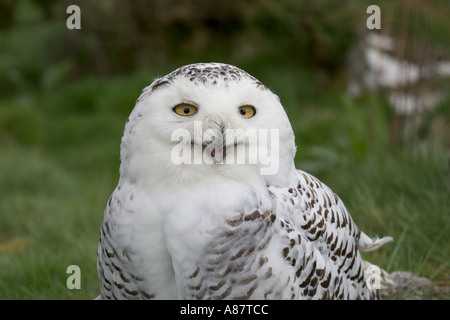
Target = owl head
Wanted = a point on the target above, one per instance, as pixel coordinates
(204, 122)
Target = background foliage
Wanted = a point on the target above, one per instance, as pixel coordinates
(65, 96)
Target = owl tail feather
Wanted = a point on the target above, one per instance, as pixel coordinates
(365, 243)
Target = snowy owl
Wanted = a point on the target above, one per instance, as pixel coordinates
(209, 204)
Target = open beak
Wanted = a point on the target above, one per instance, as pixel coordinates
(217, 152)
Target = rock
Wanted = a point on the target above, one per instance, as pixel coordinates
(409, 286)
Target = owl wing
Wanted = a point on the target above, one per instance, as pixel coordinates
(322, 242)
(305, 246)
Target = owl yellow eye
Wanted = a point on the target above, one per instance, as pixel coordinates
(247, 111)
(184, 109)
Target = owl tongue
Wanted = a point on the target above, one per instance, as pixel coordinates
(220, 154)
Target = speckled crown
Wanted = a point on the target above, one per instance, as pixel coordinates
(208, 74)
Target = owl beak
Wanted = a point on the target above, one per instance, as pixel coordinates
(214, 138)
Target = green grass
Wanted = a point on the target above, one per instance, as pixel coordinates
(59, 160)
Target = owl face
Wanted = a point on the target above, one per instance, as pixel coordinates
(209, 119)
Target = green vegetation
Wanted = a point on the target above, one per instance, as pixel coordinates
(60, 132)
